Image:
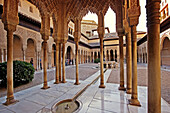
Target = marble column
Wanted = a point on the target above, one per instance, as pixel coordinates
(2, 55)
(77, 71)
(128, 64)
(24, 58)
(77, 35)
(49, 60)
(121, 87)
(10, 97)
(93, 56)
(59, 62)
(37, 57)
(10, 20)
(154, 60)
(45, 33)
(63, 77)
(133, 22)
(5, 55)
(101, 32)
(45, 85)
(134, 98)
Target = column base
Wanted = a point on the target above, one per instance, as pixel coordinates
(76, 83)
(129, 91)
(64, 81)
(57, 82)
(102, 86)
(122, 88)
(10, 101)
(134, 102)
(45, 87)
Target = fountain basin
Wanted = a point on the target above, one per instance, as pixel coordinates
(66, 106)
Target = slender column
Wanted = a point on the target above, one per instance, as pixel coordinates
(121, 87)
(77, 71)
(10, 97)
(154, 60)
(101, 31)
(23, 55)
(128, 64)
(10, 19)
(63, 78)
(77, 35)
(60, 62)
(134, 98)
(37, 56)
(49, 60)
(45, 85)
(93, 56)
(133, 22)
(2, 55)
(109, 55)
(5, 55)
(57, 64)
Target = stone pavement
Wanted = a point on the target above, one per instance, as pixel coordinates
(70, 74)
(93, 99)
(143, 79)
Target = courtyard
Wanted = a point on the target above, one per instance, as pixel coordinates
(32, 99)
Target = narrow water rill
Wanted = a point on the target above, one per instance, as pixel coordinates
(71, 105)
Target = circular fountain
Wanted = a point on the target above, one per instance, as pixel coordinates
(66, 106)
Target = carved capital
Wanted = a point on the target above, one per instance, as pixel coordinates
(133, 15)
(101, 30)
(120, 32)
(10, 15)
(45, 26)
(45, 37)
(77, 36)
(153, 14)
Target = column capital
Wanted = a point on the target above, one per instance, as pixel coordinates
(77, 36)
(153, 14)
(101, 30)
(10, 15)
(133, 15)
(45, 26)
(121, 32)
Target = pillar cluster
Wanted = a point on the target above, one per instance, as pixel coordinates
(127, 17)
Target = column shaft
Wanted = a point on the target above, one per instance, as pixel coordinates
(57, 64)
(60, 62)
(77, 71)
(45, 85)
(2, 55)
(128, 64)
(154, 60)
(10, 97)
(121, 87)
(63, 78)
(101, 64)
(134, 97)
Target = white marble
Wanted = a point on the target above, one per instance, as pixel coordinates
(5, 111)
(25, 106)
(109, 106)
(111, 97)
(40, 99)
(93, 110)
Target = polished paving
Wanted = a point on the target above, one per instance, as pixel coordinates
(93, 99)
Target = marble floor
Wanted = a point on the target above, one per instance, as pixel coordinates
(93, 99)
